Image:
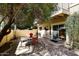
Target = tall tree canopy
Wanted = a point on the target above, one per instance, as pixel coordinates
(23, 15)
(41, 12)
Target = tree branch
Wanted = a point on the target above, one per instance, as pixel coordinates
(3, 19)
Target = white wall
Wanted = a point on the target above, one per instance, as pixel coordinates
(74, 7)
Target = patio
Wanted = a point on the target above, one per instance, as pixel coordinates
(45, 47)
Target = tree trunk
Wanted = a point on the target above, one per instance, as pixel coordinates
(6, 30)
(3, 19)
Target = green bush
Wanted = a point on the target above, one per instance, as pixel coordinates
(72, 28)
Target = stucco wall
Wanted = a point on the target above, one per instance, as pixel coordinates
(74, 8)
(25, 32)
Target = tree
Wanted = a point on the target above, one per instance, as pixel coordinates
(23, 13)
(9, 8)
(41, 12)
(72, 28)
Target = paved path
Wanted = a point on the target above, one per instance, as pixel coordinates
(57, 49)
(49, 48)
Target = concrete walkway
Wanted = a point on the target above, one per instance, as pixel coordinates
(57, 49)
(49, 48)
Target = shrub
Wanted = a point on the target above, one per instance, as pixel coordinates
(72, 28)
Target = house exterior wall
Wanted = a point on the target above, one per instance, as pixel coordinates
(74, 7)
(65, 8)
(61, 8)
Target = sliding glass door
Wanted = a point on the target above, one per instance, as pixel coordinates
(58, 32)
(55, 32)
